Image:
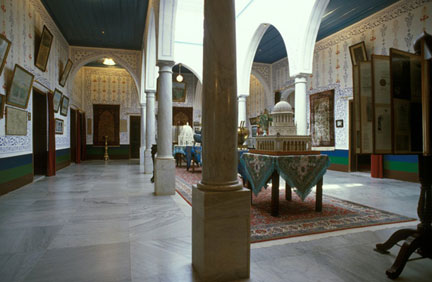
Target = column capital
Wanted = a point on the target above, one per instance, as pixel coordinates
(151, 94)
(143, 105)
(163, 64)
(242, 97)
(301, 78)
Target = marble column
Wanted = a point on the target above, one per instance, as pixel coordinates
(300, 105)
(221, 207)
(150, 132)
(165, 164)
(143, 133)
(242, 109)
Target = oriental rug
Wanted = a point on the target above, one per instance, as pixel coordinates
(297, 218)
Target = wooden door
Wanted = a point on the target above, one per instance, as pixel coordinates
(352, 139)
(73, 134)
(40, 133)
(135, 136)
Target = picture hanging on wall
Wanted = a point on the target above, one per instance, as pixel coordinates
(358, 53)
(16, 121)
(44, 49)
(339, 123)
(5, 45)
(57, 99)
(65, 73)
(64, 106)
(2, 101)
(58, 126)
(179, 91)
(322, 119)
(19, 90)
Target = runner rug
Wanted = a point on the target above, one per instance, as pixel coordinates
(297, 218)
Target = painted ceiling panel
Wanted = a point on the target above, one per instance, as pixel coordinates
(339, 15)
(100, 23)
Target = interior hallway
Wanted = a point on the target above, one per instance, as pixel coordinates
(98, 222)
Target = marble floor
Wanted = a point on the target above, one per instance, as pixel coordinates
(100, 222)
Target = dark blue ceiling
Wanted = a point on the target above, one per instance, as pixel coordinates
(339, 14)
(100, 23)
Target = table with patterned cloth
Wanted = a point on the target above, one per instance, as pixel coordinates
(190, 153)
(300, 171)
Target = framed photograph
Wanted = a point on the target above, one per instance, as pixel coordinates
(5, 45)
(358, 53)
(16, 121)
(58, 126)
(178, 91)
(339, 123)
(57, 99)
(19, 90)
(44, 49)
(65, 73)
(64, 106)
(366, 107)
(2, 101)
(322, 119)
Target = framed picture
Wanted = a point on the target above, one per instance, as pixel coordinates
(16, 121)
(58, 126)
(5, 45)
(2, 101)
(65, 73)
(366, 107)
(322, 119)
(358, 53)
(64, 106)
(178, 91)
(44, 49)
(339, 123)
(19, 90)
(57, 99)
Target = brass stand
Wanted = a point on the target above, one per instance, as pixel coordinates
(106, 157)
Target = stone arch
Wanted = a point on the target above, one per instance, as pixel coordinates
(191, 69)
(78, 64)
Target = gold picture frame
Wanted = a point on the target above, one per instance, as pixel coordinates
(59, 126)
(19, 90)
(57, 98)
(44, 50)
(358, 53)
(16, 121)
(5, 45)
(65, 74)
(64, 106)
(178, 92)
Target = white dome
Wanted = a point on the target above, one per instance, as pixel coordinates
(282, 107)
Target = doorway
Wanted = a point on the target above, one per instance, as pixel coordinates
(73, 134)
(40, 133)
(135, 136)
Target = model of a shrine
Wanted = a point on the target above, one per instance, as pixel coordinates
(282, 133)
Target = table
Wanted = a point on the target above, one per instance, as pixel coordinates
(190, 153)
(300, 171)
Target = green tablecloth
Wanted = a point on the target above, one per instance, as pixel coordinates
(300, 171)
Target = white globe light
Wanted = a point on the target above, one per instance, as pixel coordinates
(179, 78)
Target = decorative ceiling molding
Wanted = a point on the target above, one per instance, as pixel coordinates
(48, 21)
(370, 22)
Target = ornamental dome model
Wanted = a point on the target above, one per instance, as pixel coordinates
(282, 120)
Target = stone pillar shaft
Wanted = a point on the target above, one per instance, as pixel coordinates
(150, 131)
(300, 105)
(143, 133)
(221, 208)
(242, 116)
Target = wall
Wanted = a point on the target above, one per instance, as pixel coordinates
(256, 101)
(94, 85)
(22, 21)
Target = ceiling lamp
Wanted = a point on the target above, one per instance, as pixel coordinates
(179, 77)
(109, 62)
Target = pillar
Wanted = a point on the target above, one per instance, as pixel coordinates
(221, 207)
(165, 164)
(242, 109)
(143, 133)
(300, 105)
(150, 132)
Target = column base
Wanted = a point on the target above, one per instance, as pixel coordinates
(221, 234)
(165, 176)
(148, 162)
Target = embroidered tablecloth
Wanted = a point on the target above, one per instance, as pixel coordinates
(300, 171)
(189, 152)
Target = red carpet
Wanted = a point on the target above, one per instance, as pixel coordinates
(297, 218)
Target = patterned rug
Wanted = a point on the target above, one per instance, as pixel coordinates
(297, 218)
